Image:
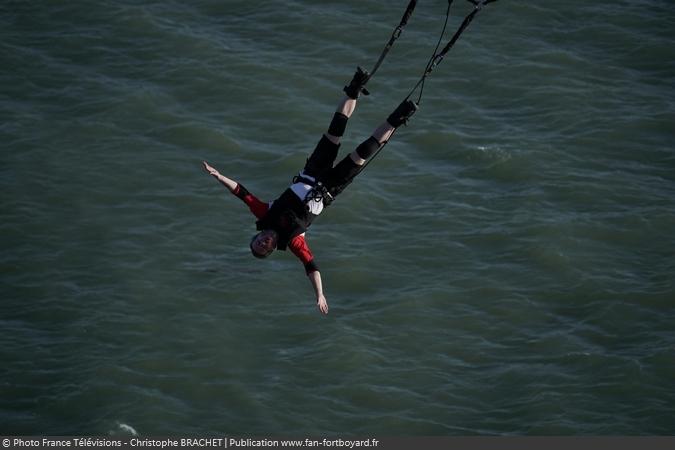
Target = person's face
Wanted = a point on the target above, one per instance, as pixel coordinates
(264, 242)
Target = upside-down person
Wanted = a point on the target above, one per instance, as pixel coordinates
(282, 224)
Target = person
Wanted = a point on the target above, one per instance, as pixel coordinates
(282, 224)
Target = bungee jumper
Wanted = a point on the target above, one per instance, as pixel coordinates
(282, 224)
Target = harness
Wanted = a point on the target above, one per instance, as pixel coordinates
(318, 193)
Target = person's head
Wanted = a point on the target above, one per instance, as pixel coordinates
(263, 243)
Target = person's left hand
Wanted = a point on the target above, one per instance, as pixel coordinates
(322, 304)
(210, 169)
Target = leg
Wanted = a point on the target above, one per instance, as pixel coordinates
(323, 156)
(344, 172)
(366, 149)
(337, 127)
(337, 179)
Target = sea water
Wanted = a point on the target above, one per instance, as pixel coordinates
(504, 267)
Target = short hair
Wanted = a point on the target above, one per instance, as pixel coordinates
(256, 254)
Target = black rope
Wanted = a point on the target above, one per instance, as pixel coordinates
(394, 35)
(433, 54)
(436, 59)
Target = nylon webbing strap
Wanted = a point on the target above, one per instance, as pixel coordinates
(395, 35)
(438, 57)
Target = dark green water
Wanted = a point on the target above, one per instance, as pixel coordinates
(505, 266)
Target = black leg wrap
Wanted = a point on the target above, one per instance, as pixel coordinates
(366, 149)
(338, 125)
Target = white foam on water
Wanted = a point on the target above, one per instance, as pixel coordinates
(127, 428)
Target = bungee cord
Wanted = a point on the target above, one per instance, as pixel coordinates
(435, 58)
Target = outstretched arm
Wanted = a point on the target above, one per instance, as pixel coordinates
(228, 183)
(299, 247)
(315, 279)
(257, 207)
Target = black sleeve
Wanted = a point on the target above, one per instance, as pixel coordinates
(311, 267)
(241, 192)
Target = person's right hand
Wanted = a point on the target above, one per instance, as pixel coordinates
(210, 169)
